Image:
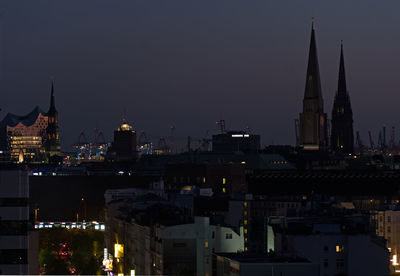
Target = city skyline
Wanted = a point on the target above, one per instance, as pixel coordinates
(189, 75)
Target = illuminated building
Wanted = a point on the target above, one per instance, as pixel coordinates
(23, 136)
(313, 120)
(387, 223)
(124, 146)
(31, 138)
(342, 138)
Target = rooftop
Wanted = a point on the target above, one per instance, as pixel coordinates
(263, 258)
(27, 120)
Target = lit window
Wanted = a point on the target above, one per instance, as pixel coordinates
(246, 249)
(223, 180)
(245, 230)
(245, 204)
(224, 190)
(204, 180)
(245, 213)
(245, 239)
(206, 244)
(245, 222)
(339, 248)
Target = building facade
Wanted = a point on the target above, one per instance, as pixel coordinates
(123, 147)
(337, 249)
(22, 137)
(32, 138)
(15, 256)
(387, 223)
(235, 141)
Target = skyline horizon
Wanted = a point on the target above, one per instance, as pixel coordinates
(242, 64)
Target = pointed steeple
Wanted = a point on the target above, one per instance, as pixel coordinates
(52, 107)
(313, 127)
(52, 144)
(342, 137)
(342, 88)
(313, 82)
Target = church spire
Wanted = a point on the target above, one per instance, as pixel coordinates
(342, 88)
(313, 128)
(52, 144)
(342, 137)
(52, 108)
(313, 82)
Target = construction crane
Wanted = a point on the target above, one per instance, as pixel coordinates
(384, 137)
(380, 143)
(204, 143)
(142, 138)
(221, 126)
(359, 143)
(99, 146)
(171, 138)
(82, 146)
(371, 142)
(144, 145)
(392, 145)
(162, 147)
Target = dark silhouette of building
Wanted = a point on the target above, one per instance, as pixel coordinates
(234, 141)
(342, 137)
(52, 144)
(313, 120)
(221, 178)
(124, 146)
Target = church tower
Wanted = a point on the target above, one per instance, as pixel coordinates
(342, 138)
(313, 120)
(52, 145)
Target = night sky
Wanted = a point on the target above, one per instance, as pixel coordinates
(191, 63)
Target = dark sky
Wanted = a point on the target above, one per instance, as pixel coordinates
(190, 63)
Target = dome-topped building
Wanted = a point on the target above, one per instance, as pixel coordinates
(123, 147)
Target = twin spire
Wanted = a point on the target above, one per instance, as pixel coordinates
(313, 131)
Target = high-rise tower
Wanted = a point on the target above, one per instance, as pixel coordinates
(52, 145)
(313, 120)
(342, 138)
